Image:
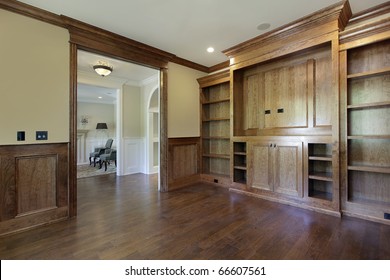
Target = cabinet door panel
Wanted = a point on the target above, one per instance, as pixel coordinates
(260, 166)
(323, 94)
(286, 90)
(254, 101)
(288, 168)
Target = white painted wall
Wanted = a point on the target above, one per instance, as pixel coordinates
(89, 137)
(150, 127)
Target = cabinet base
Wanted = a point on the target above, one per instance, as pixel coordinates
(287, 202)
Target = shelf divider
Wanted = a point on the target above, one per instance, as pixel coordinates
(370, 169)
(369, 73)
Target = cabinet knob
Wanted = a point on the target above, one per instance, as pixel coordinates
(270, 145)
(274, 145)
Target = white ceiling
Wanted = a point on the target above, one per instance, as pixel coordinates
(187, 28)
(96, 94)
(96, 89)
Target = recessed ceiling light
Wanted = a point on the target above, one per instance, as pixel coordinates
(210, 49)
(263, 26)
(100, 97)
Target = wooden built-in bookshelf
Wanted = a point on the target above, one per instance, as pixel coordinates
(215, 126)
(367, 130)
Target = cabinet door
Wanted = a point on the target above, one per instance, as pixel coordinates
(286, 93)
(288, 168)
(253, 97)
(260, 166)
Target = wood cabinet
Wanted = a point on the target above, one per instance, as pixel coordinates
(284, 113)
(276, 98)
(276, 166)
(308, 114)
(215, 127)
(287, 93)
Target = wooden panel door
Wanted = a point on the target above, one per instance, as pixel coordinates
(260, 168)
(288, 168)
(276, 166)
(286, 93)
(253, 96)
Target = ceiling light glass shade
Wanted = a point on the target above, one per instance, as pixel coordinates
(101, 126)
(102, 70)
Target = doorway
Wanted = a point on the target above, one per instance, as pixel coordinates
(121, 100)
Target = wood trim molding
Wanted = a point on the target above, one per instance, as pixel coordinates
(367, 23)
(218, 67)
(214, 79)
(189, 64)
(100, 40)
(164, 130)
(31, 11)
(340, 11)
(370, 13)
(73, 131)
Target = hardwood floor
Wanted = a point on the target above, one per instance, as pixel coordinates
(127, 218)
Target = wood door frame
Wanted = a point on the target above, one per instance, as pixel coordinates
(73, 127)
(88, 38)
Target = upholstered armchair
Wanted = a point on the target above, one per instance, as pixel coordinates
(106, 157)
(98, 151)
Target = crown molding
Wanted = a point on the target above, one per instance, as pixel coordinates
(32, 12)
(219, 67)
(367, 23)
(189, 64)
(148, 81)
(214, 79)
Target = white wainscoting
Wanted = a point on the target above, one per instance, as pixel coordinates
(133, 155)
(82, 155)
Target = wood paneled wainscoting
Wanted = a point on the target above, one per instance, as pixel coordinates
(184, 161)
(33, 185)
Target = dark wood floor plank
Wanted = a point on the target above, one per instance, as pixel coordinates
(127, 218)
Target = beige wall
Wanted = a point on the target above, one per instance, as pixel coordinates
(131, 104)
(183, 101)
(34, 87)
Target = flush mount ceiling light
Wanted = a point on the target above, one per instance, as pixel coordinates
(102, 68)
(210, 49)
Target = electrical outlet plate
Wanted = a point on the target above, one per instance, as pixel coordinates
(41, 135)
